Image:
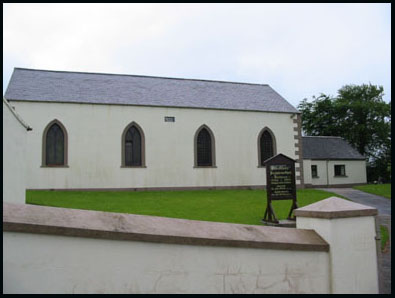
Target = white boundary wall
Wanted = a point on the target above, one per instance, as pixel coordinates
(58, 264)
(56, 250)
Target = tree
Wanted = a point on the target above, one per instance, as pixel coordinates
(359, 115)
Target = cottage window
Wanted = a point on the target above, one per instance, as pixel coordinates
(204, 148)
(266, 145)
(133, 154)
(340, 170)
(54, 145)
(314, 171)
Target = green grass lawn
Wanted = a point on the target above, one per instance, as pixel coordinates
(233, 206)
(384, 237)
(383, 190)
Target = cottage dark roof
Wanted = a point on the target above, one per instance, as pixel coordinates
(81, 87)
(328, 148)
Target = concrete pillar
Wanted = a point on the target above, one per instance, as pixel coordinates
(349, 228)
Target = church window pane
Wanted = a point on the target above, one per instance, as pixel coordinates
(54, 145)
(266, 146)
(133, 155)
(204, 148)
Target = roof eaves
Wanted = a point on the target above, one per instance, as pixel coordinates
(155, 106)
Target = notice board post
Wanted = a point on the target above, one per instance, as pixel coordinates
(281, 185)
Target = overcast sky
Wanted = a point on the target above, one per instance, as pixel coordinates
(299, 49)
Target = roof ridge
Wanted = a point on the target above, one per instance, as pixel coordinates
(142, 76)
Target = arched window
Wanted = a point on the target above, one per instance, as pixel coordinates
(54, 145)
(133, 153)
(204, 147)
(266, 145)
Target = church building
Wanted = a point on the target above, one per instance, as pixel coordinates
(97, 131)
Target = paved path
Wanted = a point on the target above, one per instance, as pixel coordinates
(383, 206)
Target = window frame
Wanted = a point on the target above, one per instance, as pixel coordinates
(274, 144)
(213, 155)
(44, 146)
(142, 144)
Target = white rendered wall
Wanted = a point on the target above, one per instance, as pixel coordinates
(94, 147)
(14, 158)
(322, 169)
(353, 259)
(355, 172)
(36, 263)
(307, 171)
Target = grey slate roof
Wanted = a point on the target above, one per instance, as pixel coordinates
(80, 87)
(328, 148)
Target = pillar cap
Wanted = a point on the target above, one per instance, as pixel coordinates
(335, 207)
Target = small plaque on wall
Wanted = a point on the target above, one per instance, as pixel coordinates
(170, 119)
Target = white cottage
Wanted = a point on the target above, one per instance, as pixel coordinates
(108, 131)
(332, 162)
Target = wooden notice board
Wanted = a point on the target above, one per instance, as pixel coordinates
(281, 185)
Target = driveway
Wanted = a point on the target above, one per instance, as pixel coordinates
(383, 205)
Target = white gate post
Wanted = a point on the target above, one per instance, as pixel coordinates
(349, 228)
